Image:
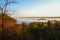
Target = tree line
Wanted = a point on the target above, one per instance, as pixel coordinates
(33, 31)
(10, 30)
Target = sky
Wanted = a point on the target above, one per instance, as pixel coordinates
(36, 8)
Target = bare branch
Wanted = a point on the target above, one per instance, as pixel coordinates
(0, 6)
(6, 4)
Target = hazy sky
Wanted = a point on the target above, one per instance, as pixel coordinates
(37, 8)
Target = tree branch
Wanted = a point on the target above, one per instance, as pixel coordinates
(6, 4)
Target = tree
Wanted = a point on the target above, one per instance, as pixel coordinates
(3, 10)
(4, 4)
(3, 7)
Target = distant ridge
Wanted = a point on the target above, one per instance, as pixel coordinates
(36, 17)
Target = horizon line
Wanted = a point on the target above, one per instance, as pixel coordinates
(36, 17)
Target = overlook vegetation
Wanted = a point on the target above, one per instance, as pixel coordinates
(10, 30)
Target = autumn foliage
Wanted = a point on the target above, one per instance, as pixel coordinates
(33, 31)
